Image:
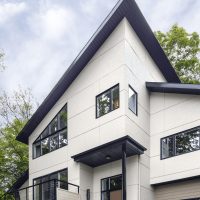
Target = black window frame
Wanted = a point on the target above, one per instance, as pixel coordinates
(40, 138)
(96, 98)
(48, 175)
(174, 143)
(136, 113)
(109, 190)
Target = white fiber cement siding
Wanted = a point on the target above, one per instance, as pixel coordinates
(121, 59)
(170, 114)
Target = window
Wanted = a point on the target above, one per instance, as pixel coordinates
(46, 188)
(107, 101)
(111, 188)
(54, 135)
(180, 143)
(132, 100)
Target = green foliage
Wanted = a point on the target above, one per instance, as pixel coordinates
(183, 50)
(15, 111)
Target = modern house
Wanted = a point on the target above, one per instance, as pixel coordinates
(119, 125)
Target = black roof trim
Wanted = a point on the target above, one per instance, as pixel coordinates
(20, 181)
(97, 156)
(178, 88)
(124, 8)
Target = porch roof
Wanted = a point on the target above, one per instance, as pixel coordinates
(109, 152)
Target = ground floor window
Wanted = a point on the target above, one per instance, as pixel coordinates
(111, 188)
(45, 186)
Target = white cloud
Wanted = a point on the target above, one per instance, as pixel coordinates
(40, 44)
(9, 10)
(52, 23)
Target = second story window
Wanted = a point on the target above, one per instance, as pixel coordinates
(54, 136)
(132, 100)
(107, 101)
(180, 143)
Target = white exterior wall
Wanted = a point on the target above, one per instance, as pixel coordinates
(139, 69)
(84, 130)
(170, 114)
(121, 59)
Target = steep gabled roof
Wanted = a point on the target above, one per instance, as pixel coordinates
(124, 8)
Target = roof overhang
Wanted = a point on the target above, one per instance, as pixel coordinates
(124, 8)
(178, 88)
(109, 152)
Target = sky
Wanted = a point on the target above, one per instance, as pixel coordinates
(41, 38)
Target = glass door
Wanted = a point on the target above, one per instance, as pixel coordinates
(111, 188)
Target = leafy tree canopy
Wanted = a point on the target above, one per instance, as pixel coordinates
(15, 111)
(183, 50)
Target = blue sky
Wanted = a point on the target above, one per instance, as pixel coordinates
(42, 37)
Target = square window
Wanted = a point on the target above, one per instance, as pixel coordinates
(107, 101)
(132, 100)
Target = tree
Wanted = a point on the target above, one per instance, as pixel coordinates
(183, 50)
(15, 111)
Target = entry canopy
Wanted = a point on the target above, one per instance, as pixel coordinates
(109, 152)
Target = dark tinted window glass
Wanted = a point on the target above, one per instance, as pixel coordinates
(63, 117)
(105, 195)
(54, 125)
(116, 183)
(105, 184)
(187, 142)
(45, 146)
(167, 147)
(54, 136)
(103, 104)
(63, 179)
(107, 101)
(45, 133)
(63, 138)
(115, 98)
(181, 143)
(132, 101)
(54, 142)
(37, 150)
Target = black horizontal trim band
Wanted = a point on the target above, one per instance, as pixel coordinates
(178, 88)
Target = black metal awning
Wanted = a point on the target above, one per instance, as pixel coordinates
(109, 152)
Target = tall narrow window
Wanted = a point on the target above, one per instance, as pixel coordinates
(54, 135)
(132, 100)
(107, 101)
